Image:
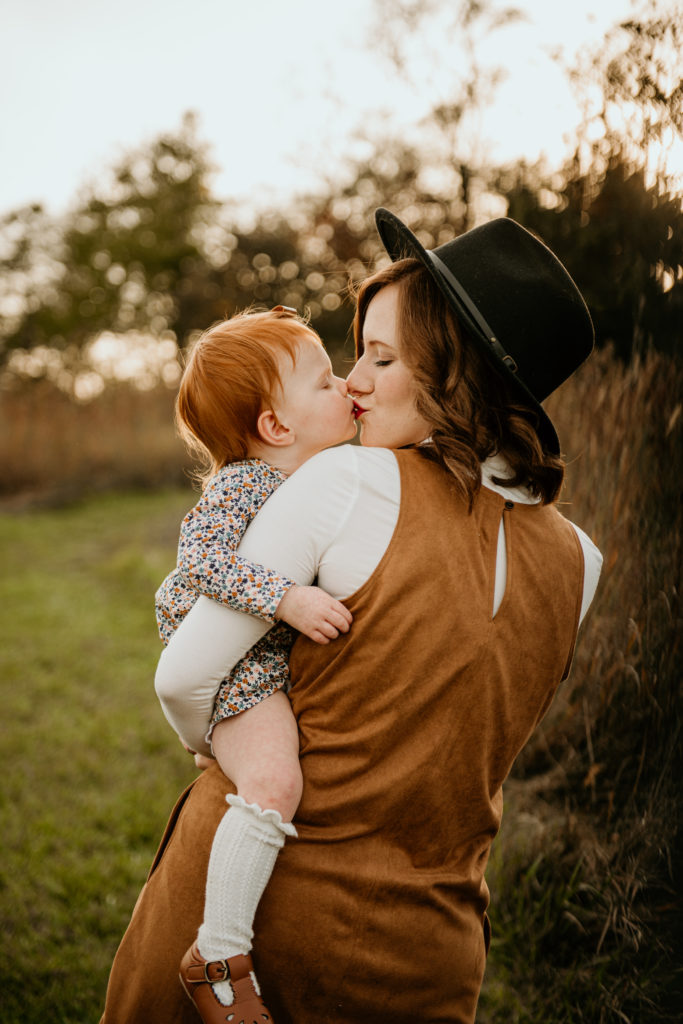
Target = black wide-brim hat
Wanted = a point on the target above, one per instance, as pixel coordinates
(516, 300)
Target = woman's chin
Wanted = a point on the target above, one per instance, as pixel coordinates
(369, 440)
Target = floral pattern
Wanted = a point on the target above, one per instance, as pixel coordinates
(208, 564)
(263, 670)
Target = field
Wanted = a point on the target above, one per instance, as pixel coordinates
(91, 767)
(585, 891)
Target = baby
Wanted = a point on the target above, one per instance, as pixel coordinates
(257, 399)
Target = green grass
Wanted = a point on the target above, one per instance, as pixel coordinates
(90, 766)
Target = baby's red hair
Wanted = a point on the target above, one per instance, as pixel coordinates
(231, 376)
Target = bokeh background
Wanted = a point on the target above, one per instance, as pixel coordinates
(166, 165)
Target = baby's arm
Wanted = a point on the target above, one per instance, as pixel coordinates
(210, 533)
(207, 559)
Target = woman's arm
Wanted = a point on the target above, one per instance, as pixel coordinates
(202, 652)
(188, 700)
(291, 533)
(592, 566)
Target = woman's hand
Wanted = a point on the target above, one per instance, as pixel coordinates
(314, 613)
(201, 760)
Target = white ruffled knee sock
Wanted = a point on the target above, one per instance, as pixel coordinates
(243, 855)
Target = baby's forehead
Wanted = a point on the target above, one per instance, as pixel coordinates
(308, 336)
(303, 354)
(309, 346)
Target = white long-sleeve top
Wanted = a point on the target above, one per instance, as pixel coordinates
(329, 523)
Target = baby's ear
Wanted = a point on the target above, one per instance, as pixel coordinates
(271, 431)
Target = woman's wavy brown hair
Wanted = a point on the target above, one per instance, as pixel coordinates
(473, 411)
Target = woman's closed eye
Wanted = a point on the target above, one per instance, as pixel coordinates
(383, 362)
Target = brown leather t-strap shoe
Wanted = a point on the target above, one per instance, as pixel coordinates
(197, 976)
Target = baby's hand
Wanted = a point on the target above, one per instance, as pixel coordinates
(315, 613)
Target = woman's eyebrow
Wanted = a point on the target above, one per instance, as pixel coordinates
(376, 343)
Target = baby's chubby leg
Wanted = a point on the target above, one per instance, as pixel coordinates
(258, 750)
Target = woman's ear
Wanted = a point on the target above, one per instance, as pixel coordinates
(272, 431)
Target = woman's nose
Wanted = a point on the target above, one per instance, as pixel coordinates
(356, 381)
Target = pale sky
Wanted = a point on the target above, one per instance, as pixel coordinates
(280, 88)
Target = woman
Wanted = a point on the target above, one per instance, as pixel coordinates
(466, 588)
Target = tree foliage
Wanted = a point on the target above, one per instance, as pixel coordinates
(622, 241)
(121, 260)
(434, 47)
(631, 89)
(613, 214)
(150, 250)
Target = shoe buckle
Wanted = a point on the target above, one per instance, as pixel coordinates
(219, 971)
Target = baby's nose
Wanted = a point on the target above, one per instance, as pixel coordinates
(341, 385)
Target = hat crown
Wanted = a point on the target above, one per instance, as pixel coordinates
(521, 291)
(528, 298)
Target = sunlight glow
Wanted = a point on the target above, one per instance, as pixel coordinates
(136, 359)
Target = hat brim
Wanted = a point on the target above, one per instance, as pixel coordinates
(400, 242)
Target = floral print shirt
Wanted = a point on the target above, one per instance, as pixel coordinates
(208, 564)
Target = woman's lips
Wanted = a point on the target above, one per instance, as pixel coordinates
(358, 410)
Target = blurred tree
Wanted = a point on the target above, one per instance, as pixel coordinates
(150, 250)
(622, 241)
(336, 241)
(121, 260)
(437, 44)
(308, 257)
(30, 250)
(631, 89)
(613, 214)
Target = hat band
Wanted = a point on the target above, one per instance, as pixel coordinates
(469, 308)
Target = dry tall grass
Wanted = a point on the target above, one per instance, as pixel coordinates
(586, 896)
(53, 449)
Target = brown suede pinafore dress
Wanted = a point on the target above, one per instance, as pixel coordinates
(409, 724)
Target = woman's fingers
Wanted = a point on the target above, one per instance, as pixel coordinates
(203, 762)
